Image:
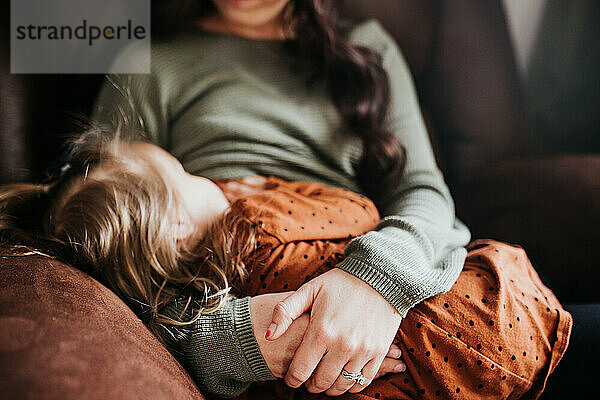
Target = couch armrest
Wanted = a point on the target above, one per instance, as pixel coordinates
(65, 336)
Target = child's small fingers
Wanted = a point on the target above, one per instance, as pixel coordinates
(390, 365)
(230, 187)
(394, 352)
(254, 180)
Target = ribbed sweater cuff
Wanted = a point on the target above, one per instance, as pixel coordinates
(248, 344)
(380, 282)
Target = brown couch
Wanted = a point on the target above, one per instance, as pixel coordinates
(63, 335)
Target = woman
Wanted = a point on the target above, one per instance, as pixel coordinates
(278, 87)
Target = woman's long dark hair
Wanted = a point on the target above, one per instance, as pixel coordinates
(357, 83)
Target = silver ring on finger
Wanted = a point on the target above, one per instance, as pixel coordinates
(357, 377)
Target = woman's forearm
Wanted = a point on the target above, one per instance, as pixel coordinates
(417, 250)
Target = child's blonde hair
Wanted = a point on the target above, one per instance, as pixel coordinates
(108, 217)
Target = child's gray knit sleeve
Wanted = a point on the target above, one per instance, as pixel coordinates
(219, 350)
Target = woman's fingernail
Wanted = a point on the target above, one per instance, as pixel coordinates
(400, 367)
(270, 330)
(395, 353)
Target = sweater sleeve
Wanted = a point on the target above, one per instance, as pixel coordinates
(417, 249)
(219, 349)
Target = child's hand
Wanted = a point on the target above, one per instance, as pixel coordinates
(277, 354)
(237, 188)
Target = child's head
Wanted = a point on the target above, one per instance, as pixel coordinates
(129, 214)
(197, 201)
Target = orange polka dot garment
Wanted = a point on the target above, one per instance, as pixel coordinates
(497, 334)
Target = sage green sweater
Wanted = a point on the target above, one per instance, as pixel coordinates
(228, 107)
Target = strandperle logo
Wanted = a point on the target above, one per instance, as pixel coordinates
(90, 33)
(80, 36)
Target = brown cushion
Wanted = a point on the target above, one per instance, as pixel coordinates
(63, 335)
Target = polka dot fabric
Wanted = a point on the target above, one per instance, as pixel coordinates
(497, 334)
(305, 228)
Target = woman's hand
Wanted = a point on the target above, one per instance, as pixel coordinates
(351, 326)
(278, 354)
